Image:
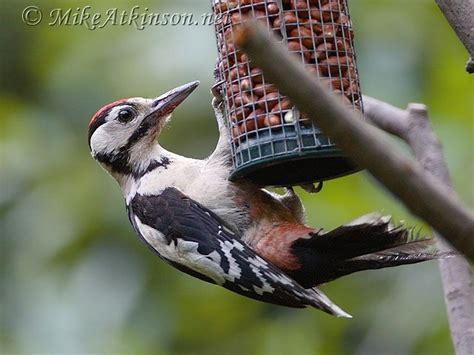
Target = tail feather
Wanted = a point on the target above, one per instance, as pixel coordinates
(369, 234)
(391, 258)
(321, 301)
(369, 242)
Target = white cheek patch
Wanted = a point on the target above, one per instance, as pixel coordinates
(110, 137)
(113, 135)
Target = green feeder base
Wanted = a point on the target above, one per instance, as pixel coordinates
(287, 158)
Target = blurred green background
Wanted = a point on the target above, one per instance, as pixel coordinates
(75, 279)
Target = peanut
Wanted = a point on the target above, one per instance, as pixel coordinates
(259, 4)
(261, 121)
(330, 12)
(273, 120)
(343, 20)
(295, 46)
(305, 34)
(238, 72)
(344, 45)
(254, 114)
(241, 99)
(220, 6)
(269, 101)
(316, 14)
(290, 21)
(323, 50)
(257, 116)
(248, 126)
(236, 131)
(263, 89)
(246, 84)
(241, 113)
(301, 8)
(232, 90)
(236, 18)
(332, 65)
(256, 76)
(273, 8)
(283, 105)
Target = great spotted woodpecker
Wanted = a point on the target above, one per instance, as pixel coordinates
(233, 234)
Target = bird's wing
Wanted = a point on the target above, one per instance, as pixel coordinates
(196, 241)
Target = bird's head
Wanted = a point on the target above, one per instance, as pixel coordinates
(122, 133)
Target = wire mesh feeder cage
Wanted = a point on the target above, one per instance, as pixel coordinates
(272, 142)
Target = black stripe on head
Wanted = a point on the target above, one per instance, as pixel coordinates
(142, 130)
(99, 117)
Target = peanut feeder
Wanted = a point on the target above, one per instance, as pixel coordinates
(272, 142)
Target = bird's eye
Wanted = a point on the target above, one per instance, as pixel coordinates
(126, 115)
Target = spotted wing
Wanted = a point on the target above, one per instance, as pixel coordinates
(195, 240)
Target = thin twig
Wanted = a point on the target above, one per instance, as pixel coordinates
(414, 127)
(366, 145)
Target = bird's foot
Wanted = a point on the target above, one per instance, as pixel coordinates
(218, 106)
(312, 188)
(216, 91)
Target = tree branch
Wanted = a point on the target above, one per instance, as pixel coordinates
(460, 15)
(387, 117)
(413, 126)
(366, 145)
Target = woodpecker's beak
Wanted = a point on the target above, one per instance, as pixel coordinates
(166, 103)
(161, 109)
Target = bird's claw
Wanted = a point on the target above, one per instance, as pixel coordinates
(216, 91)
(312, 188)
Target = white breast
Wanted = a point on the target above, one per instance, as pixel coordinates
(203, 181)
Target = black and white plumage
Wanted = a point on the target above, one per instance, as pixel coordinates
(233, 234)
(196, 241)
